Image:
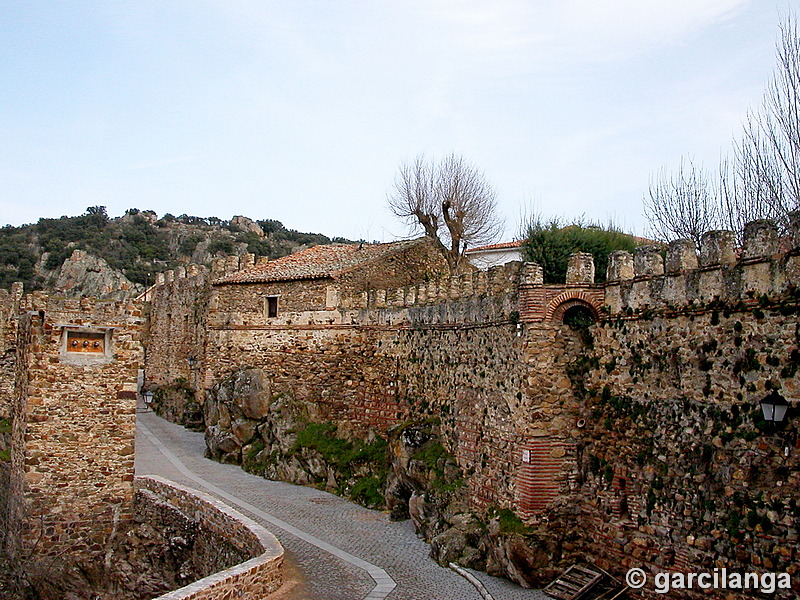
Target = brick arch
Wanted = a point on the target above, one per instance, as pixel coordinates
(563, 302)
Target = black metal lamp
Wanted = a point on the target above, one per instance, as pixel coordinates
(774, 407)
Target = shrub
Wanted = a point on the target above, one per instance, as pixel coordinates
(550, 244)
(508, 520)
(368, 491)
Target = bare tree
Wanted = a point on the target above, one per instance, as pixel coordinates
(760, 181)
(767, 158)
(450, 201)
(683, 204)
(741, 196)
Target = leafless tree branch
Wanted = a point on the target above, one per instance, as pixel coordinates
(682, 205)
(760, 181)
(450, 201)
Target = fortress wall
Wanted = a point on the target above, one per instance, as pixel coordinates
(678, 470)
(377, 368)
(13, 465)
(639, 445)
(472, 284)
(9, 309)
(766, 265)
(333, 367)
(500, 394)
(74, 421)
(498, 386)
(10, 473)
(176, 329)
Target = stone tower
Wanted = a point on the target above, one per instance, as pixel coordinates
(73, 424)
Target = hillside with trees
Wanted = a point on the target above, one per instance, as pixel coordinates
(138, 244)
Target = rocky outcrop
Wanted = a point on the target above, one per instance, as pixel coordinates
(279, 437)
(176, 402)
(248, 225)
(412, 474)
(427, 485)
(84, 274)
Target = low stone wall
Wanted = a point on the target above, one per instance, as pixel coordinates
(160, 499)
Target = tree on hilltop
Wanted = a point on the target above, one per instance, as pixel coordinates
(450, 201)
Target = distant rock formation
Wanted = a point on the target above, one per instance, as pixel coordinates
(85, 274)
(247, 224)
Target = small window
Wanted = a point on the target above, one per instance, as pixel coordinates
(272, 306)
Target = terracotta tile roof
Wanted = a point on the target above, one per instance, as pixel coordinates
(317, 262)
(503, 246)
(643, 241)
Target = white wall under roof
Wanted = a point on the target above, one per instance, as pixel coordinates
(484, 259)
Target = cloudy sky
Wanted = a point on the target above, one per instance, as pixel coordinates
(302, 110)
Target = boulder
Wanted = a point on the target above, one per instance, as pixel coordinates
(244, 430)
(251, 393)
(525, 560)
(448, 546)
(246, 224)
(220, 441)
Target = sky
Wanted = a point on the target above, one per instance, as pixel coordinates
(303, 110)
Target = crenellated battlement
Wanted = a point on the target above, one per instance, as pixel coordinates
(679, 276)
(651, 277)
(220, 267)
(497, 281)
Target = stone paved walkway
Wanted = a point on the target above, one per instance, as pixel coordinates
(359, 546)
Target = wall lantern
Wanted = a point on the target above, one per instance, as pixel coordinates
(148, 398)
(774, 407)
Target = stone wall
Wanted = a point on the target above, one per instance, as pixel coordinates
(74, 422)
(176, 326)
(9, 309)
(677, 469)
(238, 557)
(12, 382)
(636, 441)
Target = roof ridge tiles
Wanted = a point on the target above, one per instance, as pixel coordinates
(323, 261)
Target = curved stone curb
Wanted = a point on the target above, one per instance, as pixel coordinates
(253, 578)
(473, 580)
(384, 584)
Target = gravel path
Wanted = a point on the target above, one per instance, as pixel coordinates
(335, 550)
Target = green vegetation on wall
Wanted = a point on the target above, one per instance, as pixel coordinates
(360, 467)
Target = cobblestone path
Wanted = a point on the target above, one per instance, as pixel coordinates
(335, 550)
